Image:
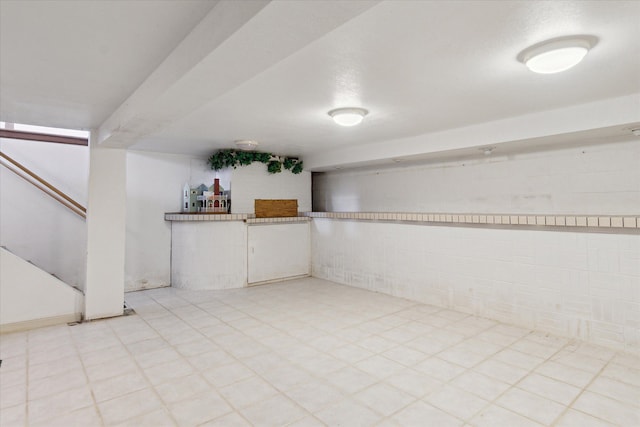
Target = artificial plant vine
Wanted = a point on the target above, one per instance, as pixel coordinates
(229, 158)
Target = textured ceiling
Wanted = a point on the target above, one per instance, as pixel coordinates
(192, 77)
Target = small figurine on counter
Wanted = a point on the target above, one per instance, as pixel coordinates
(205, 199)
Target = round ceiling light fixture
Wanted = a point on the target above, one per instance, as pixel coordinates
(487, 151)
(246, 144)
(348, 116)
(556, 55)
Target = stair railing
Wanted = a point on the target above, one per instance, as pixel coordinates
(42, 185)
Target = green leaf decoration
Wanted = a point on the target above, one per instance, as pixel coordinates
(230, 158)
(297, 168)
(274, 166)
(288, 163)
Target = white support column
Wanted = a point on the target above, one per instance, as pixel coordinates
(106, 226)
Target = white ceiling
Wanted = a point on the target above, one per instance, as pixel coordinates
(72, 63)
(193, 76)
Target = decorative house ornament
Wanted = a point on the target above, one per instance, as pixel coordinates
(190, 202)
(230, 158)
(214, 201)
(205, 199)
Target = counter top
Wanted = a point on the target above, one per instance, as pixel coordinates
(598, 223)
(248, 218)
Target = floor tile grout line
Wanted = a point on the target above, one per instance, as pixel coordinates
(549, 358)
(511, 386)
(193, 316)
(452, 378)
(469, 337)
(182, 355)
(27, 399)
(93, 397)
(192, 366)
(315, 375)
(141, 371)
(28, 374)
(495, 401)
(582, 391)
(234, 408)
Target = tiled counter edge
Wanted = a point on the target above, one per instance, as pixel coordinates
(596, 223)
(599, 223)
(248, 218)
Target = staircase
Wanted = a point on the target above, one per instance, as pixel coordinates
(43, 236)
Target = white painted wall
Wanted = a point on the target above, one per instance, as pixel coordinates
(278, 251)
(209, 255)
(595, 179)
(33, 225)
(584, 285)
(154, 186)
(254, 182)
(29, 297)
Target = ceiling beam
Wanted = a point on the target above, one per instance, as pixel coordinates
(621, 113)
(235, 42)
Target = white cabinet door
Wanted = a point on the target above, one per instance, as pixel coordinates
(278, 251)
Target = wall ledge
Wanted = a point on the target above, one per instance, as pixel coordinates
(628, 224)
(248, 218)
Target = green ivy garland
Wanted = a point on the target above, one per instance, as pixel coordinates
(229, 158)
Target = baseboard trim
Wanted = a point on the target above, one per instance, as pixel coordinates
(145, 287)
(281, 279)
(39, 323)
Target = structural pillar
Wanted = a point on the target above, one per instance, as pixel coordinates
(106, 227)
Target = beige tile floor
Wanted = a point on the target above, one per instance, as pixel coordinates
(308, 353)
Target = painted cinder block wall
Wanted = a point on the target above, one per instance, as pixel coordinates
(595, 179)
(573, 283)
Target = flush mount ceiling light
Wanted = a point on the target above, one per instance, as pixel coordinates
(348, 116)
(246, 144)
(556, 55)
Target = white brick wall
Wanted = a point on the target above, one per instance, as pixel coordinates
(598, 179)
(584, 285)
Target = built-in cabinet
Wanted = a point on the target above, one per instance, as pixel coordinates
(232, 251)
(278, 251)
